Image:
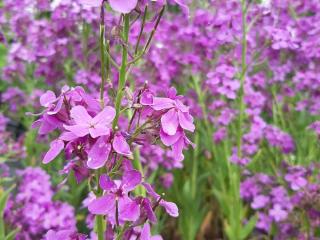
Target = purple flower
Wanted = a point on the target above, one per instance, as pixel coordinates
(123, 6)
(146, 234)
(116, 197)
(64, 235)
(56, 147)
(170, 207)
(85, 124)
(264, 222)
(278, 213)
(33, 210)
(99, 153)
(175, 118)
(260, 201)
(296, 181)
(177, 115)
(120, 145)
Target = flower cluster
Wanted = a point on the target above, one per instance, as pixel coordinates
(32, 209)
(11, 140)
(119, 205)
(252, 102)
(284, 200)
(86, 129)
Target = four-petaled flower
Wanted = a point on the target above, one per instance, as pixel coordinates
(85, 124)
(123, 6)
(115, 201)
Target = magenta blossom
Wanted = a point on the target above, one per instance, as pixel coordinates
(85, 124)
(64, 235)
(123, 6)
(146, 234)
(174, 120)
(56, 147)
(170, 207)
(177, 113)
(99, 152)
(278, 213)
(116, 198)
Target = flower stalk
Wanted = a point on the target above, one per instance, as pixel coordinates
(123, 70)
(242, 76)
(99, 221)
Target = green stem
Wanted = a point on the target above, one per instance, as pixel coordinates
(123, 70)
(99, 218)
(242, 76)
(99, 224)
(137, 165)
(146, 47)
(141, 30)
(102, 56)
(195, 167)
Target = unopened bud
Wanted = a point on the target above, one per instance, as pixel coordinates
(128, 93)
(137, 105)
(116, 31)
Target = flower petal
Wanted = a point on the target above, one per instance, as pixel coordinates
(98, 154)
(120, 145)
(91, 3)
(106, 183)
(56, 147)
(169, 140)
(123, 6)
(47, 98)
(131, 179)
(145, 232)
(169, 122)
(104, 117)
(48, 124)
(186, 121)
(160, 103)
(78, 130)
(99, 130)
(150, 190)
(146, 205)
(68, 136)
(102, 205)
(57, 108)
(170, 207)
(177, 149)
(80, 115)
(128, 210)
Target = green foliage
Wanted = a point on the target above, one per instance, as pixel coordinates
(5, 234)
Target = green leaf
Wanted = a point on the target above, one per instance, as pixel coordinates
(12, 234)
(248, 228)
(3, 55)
(3, 201)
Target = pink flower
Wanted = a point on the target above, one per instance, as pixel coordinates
(170, 207)
(146, 234)
(121, 6)
(174, 120)
(64, 235)
(99, 152)
(278, 213)
(85, 124)
(116, 197)
(56, 147)
(177, 114)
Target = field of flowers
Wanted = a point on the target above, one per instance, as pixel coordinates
(159, 119)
